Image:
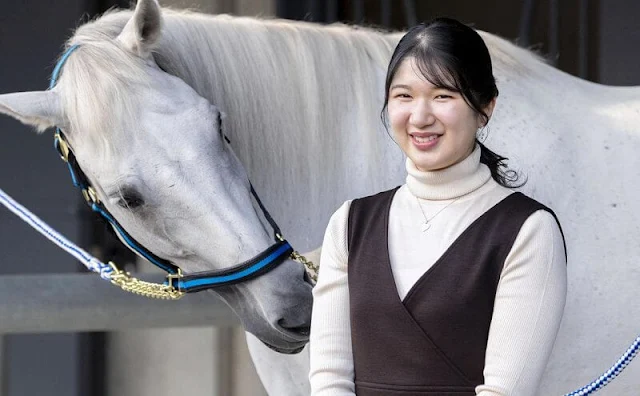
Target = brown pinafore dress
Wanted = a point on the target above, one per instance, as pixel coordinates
(434, 341)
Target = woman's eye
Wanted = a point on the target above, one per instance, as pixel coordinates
(403, 96)
(443, 96)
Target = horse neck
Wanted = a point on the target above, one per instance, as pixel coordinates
(239, 63)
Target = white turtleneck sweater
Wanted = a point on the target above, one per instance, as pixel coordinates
(529, 300)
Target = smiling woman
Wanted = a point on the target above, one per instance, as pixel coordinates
(442, 72)
(433, 124)
(453, 274)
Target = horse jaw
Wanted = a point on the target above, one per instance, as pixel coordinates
(40, 109)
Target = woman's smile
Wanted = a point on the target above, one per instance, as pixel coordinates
(424, 141)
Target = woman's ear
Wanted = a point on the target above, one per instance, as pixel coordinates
(488, 110)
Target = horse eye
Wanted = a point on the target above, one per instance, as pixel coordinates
(130, 200)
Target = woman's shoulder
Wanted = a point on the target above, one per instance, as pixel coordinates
(538, 207)
(342, 213)
(535, 213)
(340, 218)
(379, 195)
(542, 224)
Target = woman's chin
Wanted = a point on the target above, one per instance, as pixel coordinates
(426, 164)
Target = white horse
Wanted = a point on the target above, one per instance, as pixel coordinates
(139, 102)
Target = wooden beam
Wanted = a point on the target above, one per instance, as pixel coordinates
(85, 302)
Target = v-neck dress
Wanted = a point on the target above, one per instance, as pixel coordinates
(433, 341)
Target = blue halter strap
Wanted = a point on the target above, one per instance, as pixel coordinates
(262, 263)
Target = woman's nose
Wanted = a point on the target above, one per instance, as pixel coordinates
(421, 115)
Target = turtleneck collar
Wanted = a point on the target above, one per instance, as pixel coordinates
(455, 181)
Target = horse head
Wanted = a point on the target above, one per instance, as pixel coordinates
(154, 150)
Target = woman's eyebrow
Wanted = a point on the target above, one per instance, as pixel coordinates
(404, 86)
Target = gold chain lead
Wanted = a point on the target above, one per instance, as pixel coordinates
(312, 269)
(146, 289)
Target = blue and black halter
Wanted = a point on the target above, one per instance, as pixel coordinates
(262, 263)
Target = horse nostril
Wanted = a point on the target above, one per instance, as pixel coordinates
(299, 330)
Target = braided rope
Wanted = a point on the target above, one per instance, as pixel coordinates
(610, 374)
(92, 263)
(107, 272)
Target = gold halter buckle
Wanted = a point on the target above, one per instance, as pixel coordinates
(90, 195)
(63, 147)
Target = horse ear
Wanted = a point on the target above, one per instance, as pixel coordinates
(143, 29)
(40, 109)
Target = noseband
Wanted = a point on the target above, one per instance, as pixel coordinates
(177, 283)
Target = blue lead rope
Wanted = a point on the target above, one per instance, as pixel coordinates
(92, 263)
(610, 374)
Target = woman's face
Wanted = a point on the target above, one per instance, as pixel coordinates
(435, 127)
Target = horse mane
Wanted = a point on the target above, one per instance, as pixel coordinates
(237, 63)
(510, 59)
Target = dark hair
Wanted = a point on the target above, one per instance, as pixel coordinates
(451, 55)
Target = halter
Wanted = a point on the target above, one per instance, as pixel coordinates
(177, 283)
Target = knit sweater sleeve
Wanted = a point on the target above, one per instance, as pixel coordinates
(331, 364)
(528, 309)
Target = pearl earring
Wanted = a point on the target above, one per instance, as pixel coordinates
(483, 133)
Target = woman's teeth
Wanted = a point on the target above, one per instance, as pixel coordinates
(425, 139)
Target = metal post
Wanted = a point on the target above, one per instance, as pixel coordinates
(554, 31)
(410, 13)
(385, 13)
(526, 19)
(331, 11)
(223, 340)
(583, 43)
(358, 11)
(3, 385)
(314, 10)
(84, 302)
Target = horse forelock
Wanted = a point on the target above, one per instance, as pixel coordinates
(96, 88)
